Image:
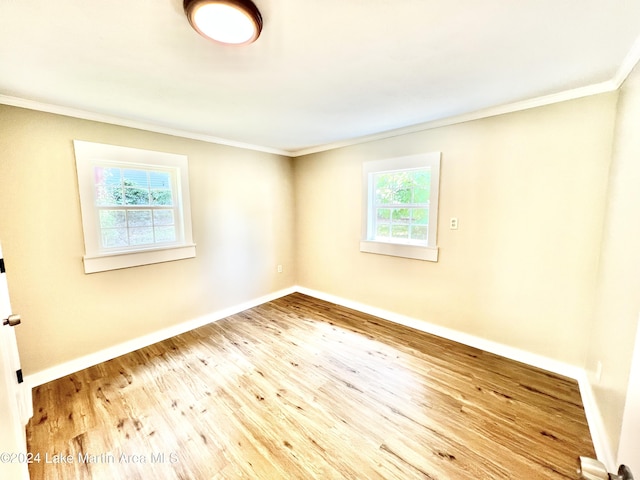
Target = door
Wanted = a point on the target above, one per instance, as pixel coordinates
(15, 408)
(629, 450)
(629, 447)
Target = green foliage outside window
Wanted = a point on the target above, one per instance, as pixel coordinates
(117, 189)
(401, 202)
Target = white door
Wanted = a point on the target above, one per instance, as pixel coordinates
(629, 450)
(14, 408)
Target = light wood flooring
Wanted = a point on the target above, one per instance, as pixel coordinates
(299, 388)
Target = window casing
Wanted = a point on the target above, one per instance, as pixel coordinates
(400, 206)
(135, 206)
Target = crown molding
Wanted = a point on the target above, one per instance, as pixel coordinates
(566, 95)
(628, 64)
(125, 122)
(575, 93)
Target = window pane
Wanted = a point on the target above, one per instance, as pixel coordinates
(401, 215)
(115, 237)
(139, 218)
(420, 216)
(402, 193)
(400, 231)
(113, 218)
(107, 195)
(165, 234)
(382, 230)
(136, 196)
(161, 197)
(136, 178)
(107, 176)
(383, 188)
(141, 235)
(421, 195)
(384, 214)
(419, 233)
(130, 227)
(163, 217)
(397, 188)
(159, 180)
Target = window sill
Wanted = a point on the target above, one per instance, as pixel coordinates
(115, 261)
(429, 254)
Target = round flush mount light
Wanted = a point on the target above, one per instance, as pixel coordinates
(232, 22)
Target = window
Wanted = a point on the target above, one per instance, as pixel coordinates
(135, 206)
(400, 206)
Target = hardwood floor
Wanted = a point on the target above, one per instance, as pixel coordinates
(301, 388)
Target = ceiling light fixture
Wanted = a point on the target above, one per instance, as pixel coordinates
(233, 22)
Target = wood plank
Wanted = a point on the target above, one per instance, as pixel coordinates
(302, 388)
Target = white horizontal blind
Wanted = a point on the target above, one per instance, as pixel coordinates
(135, 206)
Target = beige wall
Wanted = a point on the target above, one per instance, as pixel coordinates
(529, 189)
(242, 216)
(618, 304)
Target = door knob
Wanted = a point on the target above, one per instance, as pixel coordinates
(12, 320)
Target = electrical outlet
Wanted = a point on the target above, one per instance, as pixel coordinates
(453, 223)
(279, 268)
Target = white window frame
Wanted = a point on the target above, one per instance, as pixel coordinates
(99, 259)
(368, 243)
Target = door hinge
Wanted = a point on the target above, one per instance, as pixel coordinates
(2, 269)
(19, 376)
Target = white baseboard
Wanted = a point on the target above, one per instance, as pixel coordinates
(519, 355)
(600, 440)
(67, 368)
(596, 426)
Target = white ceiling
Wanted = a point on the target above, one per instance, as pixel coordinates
(321, 73)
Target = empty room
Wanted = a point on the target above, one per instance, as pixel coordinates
(292, 239)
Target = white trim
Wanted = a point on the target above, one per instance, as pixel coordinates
(72, 366)
(415, 252)
(592, 412)
(595, 89)
(627, 65)
(566, 95)
(599, 438)
(127, 122)
(630, 61)
(90, 155)
(513, 353)
(630, 429)
(368, 242)
(103, 263)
